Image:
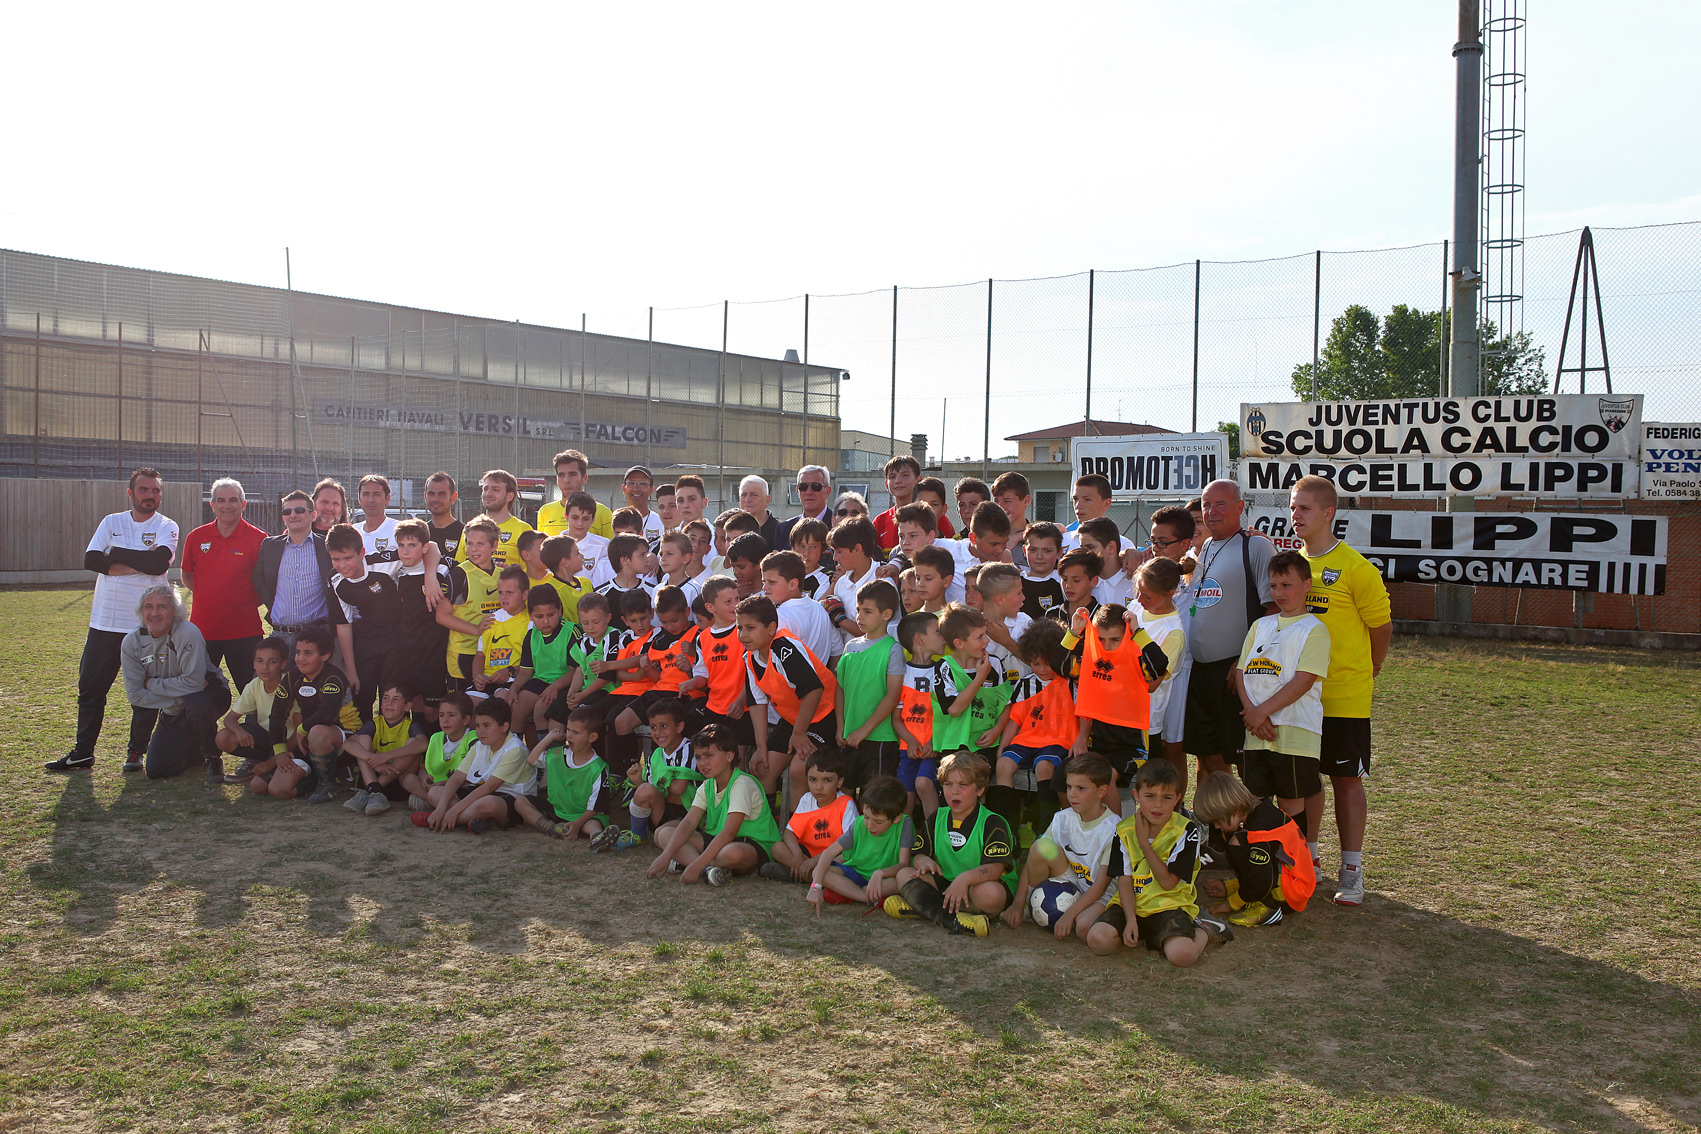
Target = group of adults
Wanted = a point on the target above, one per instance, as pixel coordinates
(170, 656)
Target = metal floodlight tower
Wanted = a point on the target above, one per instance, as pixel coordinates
(1452, 601)
(1503, 166)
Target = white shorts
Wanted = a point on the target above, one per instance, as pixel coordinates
(302, 764)
(1175, 709)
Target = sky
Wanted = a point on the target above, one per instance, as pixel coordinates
(539, 162)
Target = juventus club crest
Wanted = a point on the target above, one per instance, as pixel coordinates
(1615, 412)
(206, 547)
(1330, 575)
(147, 539)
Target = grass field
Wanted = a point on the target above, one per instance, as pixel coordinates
(179, 957)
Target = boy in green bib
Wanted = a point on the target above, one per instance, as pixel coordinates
(965, 868)
(546, 660)
(731, 811)
(962, 674)
(443, 753)
(871, 678)
(571, 806)
(864, 863)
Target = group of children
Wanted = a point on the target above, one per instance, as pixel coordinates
(893, 727)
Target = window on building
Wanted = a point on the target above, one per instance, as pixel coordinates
(1042, 453)
(1046, 506)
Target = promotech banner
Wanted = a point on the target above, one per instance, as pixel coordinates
(1671, 461)
(1612, 554)
(1549, 445)
(1168, 465)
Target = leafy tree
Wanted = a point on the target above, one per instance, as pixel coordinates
(1399, 356)
(1233, 431)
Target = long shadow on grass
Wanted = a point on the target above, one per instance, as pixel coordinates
(1390, 1001)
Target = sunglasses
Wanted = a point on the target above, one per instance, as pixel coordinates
(812, 486)
(296, 511)
(848, 512)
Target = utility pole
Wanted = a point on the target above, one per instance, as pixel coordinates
(1453, 602)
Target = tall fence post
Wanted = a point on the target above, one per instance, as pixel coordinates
(519, 353)
(986, 421)
(353, 350)
(121, 398)
(1316, 322)
(1442, 337)
(720, 433)
(649, 388)
(1195, 428)
(891, 430)
(1087, 412)
(35, 430)
(200, 403)
(583, 378)
(805, 460)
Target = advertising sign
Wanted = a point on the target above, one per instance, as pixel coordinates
(1146, 466)
(1671, 461)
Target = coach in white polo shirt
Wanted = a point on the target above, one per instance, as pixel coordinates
(130, 552)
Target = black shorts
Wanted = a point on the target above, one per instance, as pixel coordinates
(702, 716)
(869, 761)
(458, 676)
(824, 732)
(1213, 724)
(614, 704)
(1115, 917)
(1278, 774)
(425, 672)
(644, 702)
(762, 854)
(1160, 927)
(535, 685)
(1346, 747)
(1122, 746)
(262, 737)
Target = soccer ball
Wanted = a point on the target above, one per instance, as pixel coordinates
(1049, 899)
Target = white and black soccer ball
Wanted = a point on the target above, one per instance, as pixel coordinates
(1048, 901)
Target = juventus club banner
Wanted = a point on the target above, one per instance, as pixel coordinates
(1612, 554)
(1167, 465)
(1552, 445)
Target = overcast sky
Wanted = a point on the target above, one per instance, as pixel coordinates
(536, 162)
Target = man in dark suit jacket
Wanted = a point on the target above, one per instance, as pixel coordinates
(294, 570)
(815, 491)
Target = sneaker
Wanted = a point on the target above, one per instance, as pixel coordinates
(418, 803)
(1256, 913)
(717, 876)
(326, 793)
(1215, 927)
(895, 906)
(674, 866)
(974, 923)
(481, 826)
(134, 761)
(358, 801)
(604, 839)
(775, 872)
(70, 762)
(548, 827)
(420, 818)
(626, 840)
(377, 803)
(1349, 891)
(244, 772)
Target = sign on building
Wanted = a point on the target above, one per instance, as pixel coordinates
(1671, 461)
(1612, 554)
(1165, 465)
(1553, 445)
(332, 411)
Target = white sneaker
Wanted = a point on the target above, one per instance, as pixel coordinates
(1349, 890)
(717, 876)
(358, 801)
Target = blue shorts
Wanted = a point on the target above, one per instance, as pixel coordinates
(1026, 757)
(910, 770)
(853, 875)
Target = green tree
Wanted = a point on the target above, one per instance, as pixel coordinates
(1233, 431)
(1400, 356)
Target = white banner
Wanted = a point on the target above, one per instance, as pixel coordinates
(1671, 461)
(1612, 554)
(1167, 465)
(1547, 445)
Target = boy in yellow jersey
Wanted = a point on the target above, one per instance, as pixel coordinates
(386, 748)
(571, 468)
(472, 601)
(503, 642)
(531, 556)
(1155, 860)
(560, 555)
(1348, 596)
(248, 725)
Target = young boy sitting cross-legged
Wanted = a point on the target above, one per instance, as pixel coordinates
(666, 784)
(965, 871)
(1073, 856)
(730, 812)
(480, 795)
(386, 748)
(444, 751)
(572, 775)
(247, 728)
(863, 864)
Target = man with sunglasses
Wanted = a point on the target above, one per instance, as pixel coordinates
(814, 486)
(294, 570)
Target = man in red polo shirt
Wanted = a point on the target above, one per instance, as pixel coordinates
(218, 566)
